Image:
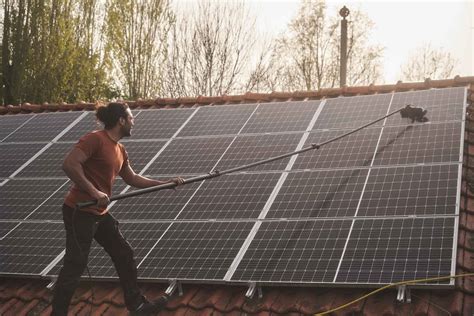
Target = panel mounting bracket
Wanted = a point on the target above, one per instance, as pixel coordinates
(251, 290)
(51, 284)
(404, 294)
(174, 284)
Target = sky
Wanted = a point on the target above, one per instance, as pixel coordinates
(400, 27)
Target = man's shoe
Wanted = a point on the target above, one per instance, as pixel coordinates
(150, 308)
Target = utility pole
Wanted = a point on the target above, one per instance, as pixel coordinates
(344, 12)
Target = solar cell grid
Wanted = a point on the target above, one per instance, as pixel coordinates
(155, 124)
(415, 190)
(141, 153)
(49, 163)
(31, 247)
(423, 143)
(195, 251)
(43, 127)
(281, 117)
(231, 197)
(227, 119)
(189, 156)
(87, 124)
(333, 193)
(352, 151)
(442, 104)
(18, 198)
(13, 156)
(340, 113)
(393, 250)
(9, 123)
(295, 251)
(249, 149)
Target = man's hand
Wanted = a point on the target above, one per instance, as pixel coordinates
(178, 181)
(102, 199)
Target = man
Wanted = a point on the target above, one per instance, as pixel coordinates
(92, 165)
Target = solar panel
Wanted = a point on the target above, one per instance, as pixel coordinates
(30, 247)
(249, 149)
(218, 120)
(49, 163)
(384, 251)
(411, 190)
(154, 124)
(13, 156)
(341, 113)
(358, 211)
(195, 251)
(294, 252)
(160, 205)
(19, 198)
(43, 127)
(10, 123)
(318, 194)
(281, 117)
(141, 236)
(352, 151)
(87, 124)
(231, 196)
(141, 153)
(442, 104)
(423, 143)
(189, 156)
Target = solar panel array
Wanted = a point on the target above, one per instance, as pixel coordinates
(376, 207)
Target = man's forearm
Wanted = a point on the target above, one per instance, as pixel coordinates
(143, 182)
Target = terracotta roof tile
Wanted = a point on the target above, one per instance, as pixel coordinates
(30, 297)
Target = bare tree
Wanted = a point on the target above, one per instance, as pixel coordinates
(137, 34)
(210, 48)
(307, 57)
(428, 62)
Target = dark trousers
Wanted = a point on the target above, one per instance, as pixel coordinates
(105, 230)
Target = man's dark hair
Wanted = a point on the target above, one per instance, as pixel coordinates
(111, 113)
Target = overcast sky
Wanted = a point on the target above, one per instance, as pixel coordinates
(400, 27)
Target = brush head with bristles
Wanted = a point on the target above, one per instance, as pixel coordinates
(414, 113)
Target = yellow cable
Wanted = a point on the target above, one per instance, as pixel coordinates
(392, 285)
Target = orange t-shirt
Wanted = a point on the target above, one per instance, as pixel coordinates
(105, 159)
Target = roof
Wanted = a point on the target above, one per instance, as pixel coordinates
(23, 296)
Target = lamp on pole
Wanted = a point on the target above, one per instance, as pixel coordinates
(344, 12)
